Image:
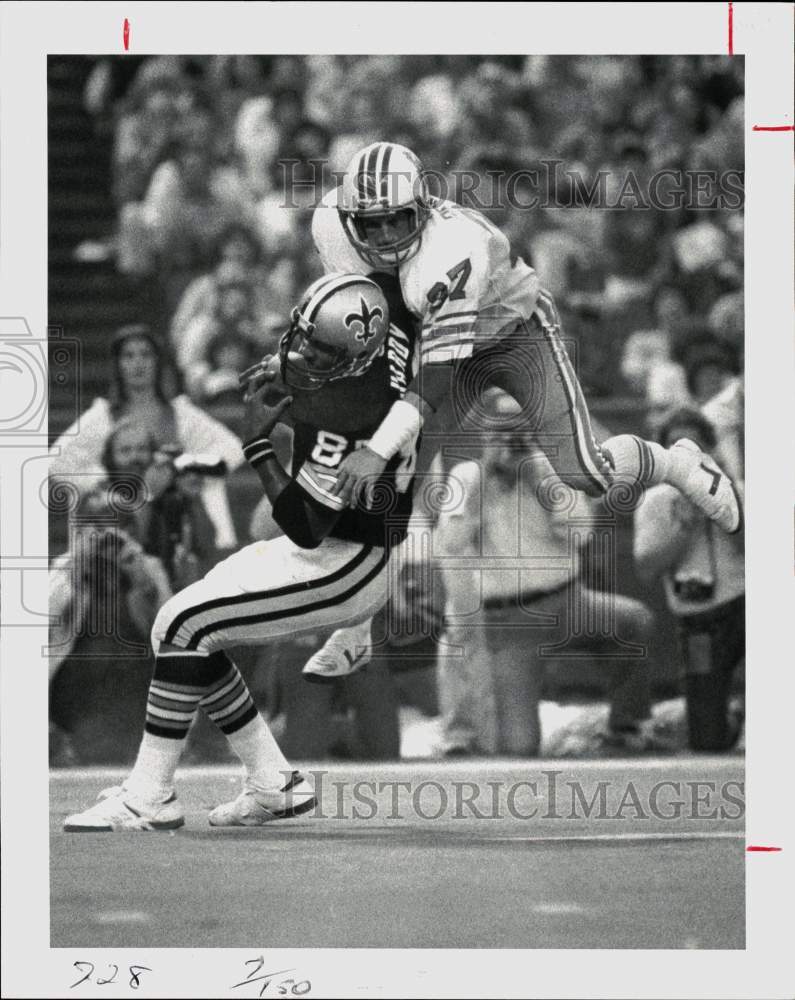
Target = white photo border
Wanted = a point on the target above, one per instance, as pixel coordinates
(762, 33)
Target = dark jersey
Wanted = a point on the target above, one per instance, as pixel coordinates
(342, 416)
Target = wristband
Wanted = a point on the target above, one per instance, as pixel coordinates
(258, 451)
(398, 429)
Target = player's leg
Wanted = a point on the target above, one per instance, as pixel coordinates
(534, 367)
(230, 607)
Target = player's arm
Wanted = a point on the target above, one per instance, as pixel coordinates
(451, 307)
(304, 520)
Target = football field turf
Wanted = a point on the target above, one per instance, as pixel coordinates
(491, 854)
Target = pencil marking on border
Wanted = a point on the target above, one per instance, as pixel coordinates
(731, 29)
(767, 850)
(126, 35)
(773, 128)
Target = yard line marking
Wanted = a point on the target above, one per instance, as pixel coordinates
(589, 838)
(122, 917)
(555, 908)
(486, 766)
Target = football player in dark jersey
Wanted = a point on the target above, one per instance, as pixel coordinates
(344, 364)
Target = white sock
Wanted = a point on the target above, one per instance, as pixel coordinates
(152, 776)
(266, 766)
(642, 461)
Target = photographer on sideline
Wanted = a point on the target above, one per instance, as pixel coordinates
(703, 576)
(104, 595)
(164, 491)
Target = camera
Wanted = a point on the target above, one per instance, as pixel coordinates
(693, 589)
(200, 464)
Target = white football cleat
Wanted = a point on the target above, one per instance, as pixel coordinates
(344, 652)
(256, 808)
(709, 488)
(118, 810)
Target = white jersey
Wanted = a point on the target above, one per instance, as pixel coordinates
(462, 282)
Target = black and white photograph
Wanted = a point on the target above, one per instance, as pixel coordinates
(378, 521)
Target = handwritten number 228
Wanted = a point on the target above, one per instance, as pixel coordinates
(135, 971)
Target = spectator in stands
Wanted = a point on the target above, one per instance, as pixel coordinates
(147, 124)
(709, 367)
(648, 363)
(140, 389)
(523, 606)
(232, 319)
(237, 245)
(703, 575)
(173, 231)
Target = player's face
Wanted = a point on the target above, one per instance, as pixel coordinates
(383, 231)
(318, 356)
(138, 364)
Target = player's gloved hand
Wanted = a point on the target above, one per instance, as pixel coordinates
(260, 417)
(357, 475)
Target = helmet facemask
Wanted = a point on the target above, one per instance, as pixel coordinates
(390, 254)
(310, 376)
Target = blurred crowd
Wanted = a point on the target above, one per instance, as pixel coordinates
(217, 164)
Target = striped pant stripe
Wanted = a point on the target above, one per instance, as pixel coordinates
(286, 610)
(592, 460)
(286, 596)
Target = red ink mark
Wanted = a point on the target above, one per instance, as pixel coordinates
(731, 29)
(755, 848)
(774, 128)
(126, 35)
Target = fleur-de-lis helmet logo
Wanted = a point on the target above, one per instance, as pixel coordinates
(364, 319)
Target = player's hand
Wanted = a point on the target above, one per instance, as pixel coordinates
(265, 372)
(261, 417)
(357, 475)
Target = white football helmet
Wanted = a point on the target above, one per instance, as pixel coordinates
(384, 203)
(336, 331)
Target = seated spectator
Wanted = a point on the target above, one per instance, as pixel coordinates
(172, 232)
(146, 125)
(648, 363)
(508, 614)
(232, 319)
(709, 367)
(702, 570)
(227, 356)
(237, 245)
(726, 413)
(139, 389)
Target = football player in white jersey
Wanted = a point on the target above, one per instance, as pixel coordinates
(484, 320)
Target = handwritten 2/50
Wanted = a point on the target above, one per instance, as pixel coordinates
(282, 986)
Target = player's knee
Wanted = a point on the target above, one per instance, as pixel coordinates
(162, 623)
